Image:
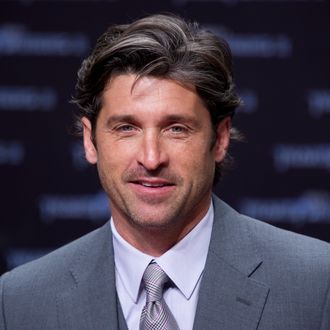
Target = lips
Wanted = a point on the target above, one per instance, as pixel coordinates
(152, 183)
(152, 190)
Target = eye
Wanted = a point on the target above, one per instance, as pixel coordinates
(178, 129)
(125, 128)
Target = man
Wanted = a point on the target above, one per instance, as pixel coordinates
(156, 99)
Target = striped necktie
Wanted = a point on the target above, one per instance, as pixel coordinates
(155, 314)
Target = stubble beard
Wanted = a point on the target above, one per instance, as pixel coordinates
(161, 215)
(173, 214)
(166, 217)
(175, 218)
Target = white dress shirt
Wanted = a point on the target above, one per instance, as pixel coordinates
(183, 263)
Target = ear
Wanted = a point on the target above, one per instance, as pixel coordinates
(90, 150)
(222, 141)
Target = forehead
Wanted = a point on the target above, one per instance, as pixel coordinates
(123, 93)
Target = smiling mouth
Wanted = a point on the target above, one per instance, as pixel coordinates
(148, 184)
(152, 191)
(153, 185)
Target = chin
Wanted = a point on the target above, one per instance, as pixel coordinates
(151, 223)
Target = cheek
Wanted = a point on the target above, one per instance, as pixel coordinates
(196, 160)
(113, 161)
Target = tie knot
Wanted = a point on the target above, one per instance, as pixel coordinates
(154, 279)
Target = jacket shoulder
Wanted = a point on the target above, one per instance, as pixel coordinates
(53, 268)
(267, 239)
(277, 242)
(295, 268)
(30, 294)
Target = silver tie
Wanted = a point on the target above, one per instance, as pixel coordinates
(155, 314)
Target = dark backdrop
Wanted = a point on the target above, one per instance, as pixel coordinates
(50, 196)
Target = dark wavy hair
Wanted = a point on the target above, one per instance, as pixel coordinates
(163, 46)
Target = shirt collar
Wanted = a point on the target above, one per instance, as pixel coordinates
(130, 263)
(188, 255)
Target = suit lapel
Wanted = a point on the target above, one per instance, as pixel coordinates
(90, 302)
(229, 298)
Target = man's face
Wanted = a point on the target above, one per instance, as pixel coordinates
(154, 155)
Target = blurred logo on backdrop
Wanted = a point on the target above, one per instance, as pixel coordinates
(91, 207)
(250, 101)
(28, 98)
(318, 102)
(11, 153)
(310, 207)
(16, 39)
(259, 45)
(306, 156)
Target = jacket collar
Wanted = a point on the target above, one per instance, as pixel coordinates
(90, 301)
(229, 297)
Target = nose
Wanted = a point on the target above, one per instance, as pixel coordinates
(152, 154)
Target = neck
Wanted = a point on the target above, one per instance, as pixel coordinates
(154, 240)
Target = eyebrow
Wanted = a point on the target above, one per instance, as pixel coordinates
(119, 118)
(167, 118)
(174, 118)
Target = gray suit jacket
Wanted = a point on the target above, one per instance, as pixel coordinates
(256, 277)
